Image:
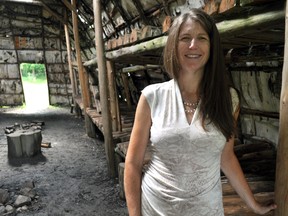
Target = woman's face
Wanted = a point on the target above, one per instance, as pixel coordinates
(193, 47)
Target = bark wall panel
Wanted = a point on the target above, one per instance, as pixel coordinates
(11, 86)
(257, 76)
(51, 30)
(65, 60)
(6, 42)
(57, 78)
(255, 89)
(59, 89)
(4, 22)
(56, 68)
(9, 71)
(8, 56)
(10, 99)
(53, 57)
(52, 43)
(28, 43)
(266, 128)
(32, 23)
(59, 99)
(24, 9)
(31, 56)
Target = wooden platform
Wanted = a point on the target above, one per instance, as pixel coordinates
(118, 136)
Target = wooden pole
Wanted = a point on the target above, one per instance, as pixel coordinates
(113, 95)
(281, 184)
(82, 75)
(81, 72)
(124, 77)
(100, 52)
(72, 78)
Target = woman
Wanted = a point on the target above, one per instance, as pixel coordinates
(190, 122)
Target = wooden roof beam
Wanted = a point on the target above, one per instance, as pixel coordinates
(139, 7)
(61, 19)
(69, 6)
(121, 10)
(36, 2)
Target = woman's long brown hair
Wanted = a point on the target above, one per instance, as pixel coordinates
(216, 103)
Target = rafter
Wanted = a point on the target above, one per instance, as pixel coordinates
(36, 2)
(121, 10)
(61, 19)
(69, 6)
(139, 7)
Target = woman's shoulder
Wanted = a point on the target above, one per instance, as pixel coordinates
(158, 86)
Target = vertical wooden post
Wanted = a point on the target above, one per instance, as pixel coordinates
(126, 89)
(72, 78)
(281, 184)
(82, 75)
(113, 95)
(109, 145)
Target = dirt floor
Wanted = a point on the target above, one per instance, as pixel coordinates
(71, 177)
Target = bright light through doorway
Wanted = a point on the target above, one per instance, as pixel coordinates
(35, 86)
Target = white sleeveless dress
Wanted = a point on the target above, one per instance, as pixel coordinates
(183, 177)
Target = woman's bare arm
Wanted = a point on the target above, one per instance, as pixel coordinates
(135, 156)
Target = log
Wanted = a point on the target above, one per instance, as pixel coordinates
(115, 115)
(24, 143)
(83, 78)
(256, 187)
(136, 68)
(126, 89)
(103, 83)
(69, 58)
(242, 149)
(121, 168)
(256, 156)
(250, 25)
(153, 44)
(166, 24)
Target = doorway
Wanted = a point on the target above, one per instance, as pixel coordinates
(34, 81)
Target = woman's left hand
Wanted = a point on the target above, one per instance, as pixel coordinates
(264, 209)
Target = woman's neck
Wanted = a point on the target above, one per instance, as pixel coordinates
(189, 84)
